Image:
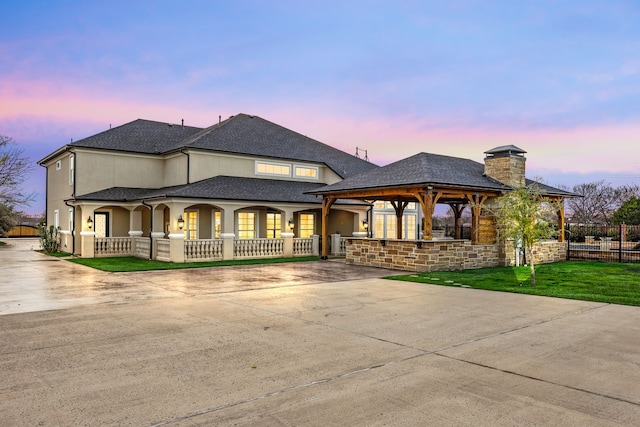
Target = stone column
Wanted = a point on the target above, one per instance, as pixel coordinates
(176, 247)
(288, 244)
(228, 240)
(335, 244)
(87, 244)
(316, 244)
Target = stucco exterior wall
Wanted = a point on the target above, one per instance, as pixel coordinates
(98, 171)
(174, 171)
(59, 190)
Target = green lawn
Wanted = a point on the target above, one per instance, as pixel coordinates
(581, 280)
(128, 264)
(2, 243)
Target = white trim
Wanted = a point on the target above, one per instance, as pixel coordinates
(287, 234)
(87, 233)
(157, 234)
(311, 178)
(135, 233)
(227, 235)
(262, 162)
(176, 236)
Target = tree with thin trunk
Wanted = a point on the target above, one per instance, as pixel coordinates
(520, 216)
(14, 168)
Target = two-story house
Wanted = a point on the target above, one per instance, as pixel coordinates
(144, 186)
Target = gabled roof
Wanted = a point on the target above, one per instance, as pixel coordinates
(421, 169)
(241, 134)
(219, 188)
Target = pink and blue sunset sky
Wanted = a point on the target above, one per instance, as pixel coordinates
(560, 80)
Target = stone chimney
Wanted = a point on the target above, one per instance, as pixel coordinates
(506, 164)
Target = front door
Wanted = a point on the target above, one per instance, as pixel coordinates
(102, 224)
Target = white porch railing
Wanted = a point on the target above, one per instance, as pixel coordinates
(141, 247)
(303, 247)
(258, 248)
(113, 246)
(203, 250)
(163, 249)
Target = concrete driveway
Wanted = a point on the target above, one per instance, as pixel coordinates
(311, 344)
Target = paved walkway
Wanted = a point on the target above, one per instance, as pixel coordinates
(301, 344)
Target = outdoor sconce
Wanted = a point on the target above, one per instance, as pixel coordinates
(365, 224)
(180, 222)
(89, 223)
(291, 224)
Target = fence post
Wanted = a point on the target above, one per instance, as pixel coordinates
(316, 244)
(620, 245)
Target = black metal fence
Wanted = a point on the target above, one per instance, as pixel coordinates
(617, 243)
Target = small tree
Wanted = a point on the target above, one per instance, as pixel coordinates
(520, 216)
(8, 219)
(14, 168)
(628, 213)
(49, 238)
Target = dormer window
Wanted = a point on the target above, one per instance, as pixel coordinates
(269, 168)
(308, 172)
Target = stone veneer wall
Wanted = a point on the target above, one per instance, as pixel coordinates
(543, 252)
(428, 255)
(421, 256)
(509, 170)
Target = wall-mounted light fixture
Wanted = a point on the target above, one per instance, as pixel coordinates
(291, 224)
(365, 224)
(180, 222)
(89, 223)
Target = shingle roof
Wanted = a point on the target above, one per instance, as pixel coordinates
(547, 190)
(421, 169)
(240, 134)
(139, 136)
(244, 134)
(220, 188)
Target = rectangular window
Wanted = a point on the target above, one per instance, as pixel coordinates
(278, 169)
(274, 224)
(385, 226)
(409, 226)
(246, 225)
(379, 204)
(217, 224)
(308, 172)
(71, 169)
(378, 231)
(192, 225)
(307, 225)
(390, 226)
(59, 165)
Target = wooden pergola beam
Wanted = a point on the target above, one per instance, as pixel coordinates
(327, 201)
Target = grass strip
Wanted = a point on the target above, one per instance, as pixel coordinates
(581, 280)
(131, 264)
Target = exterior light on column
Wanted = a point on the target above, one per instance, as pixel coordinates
(291, 224)
(89, 223)
(180, 222)
(365, 224)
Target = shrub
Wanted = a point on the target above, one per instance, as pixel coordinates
(49, 238)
